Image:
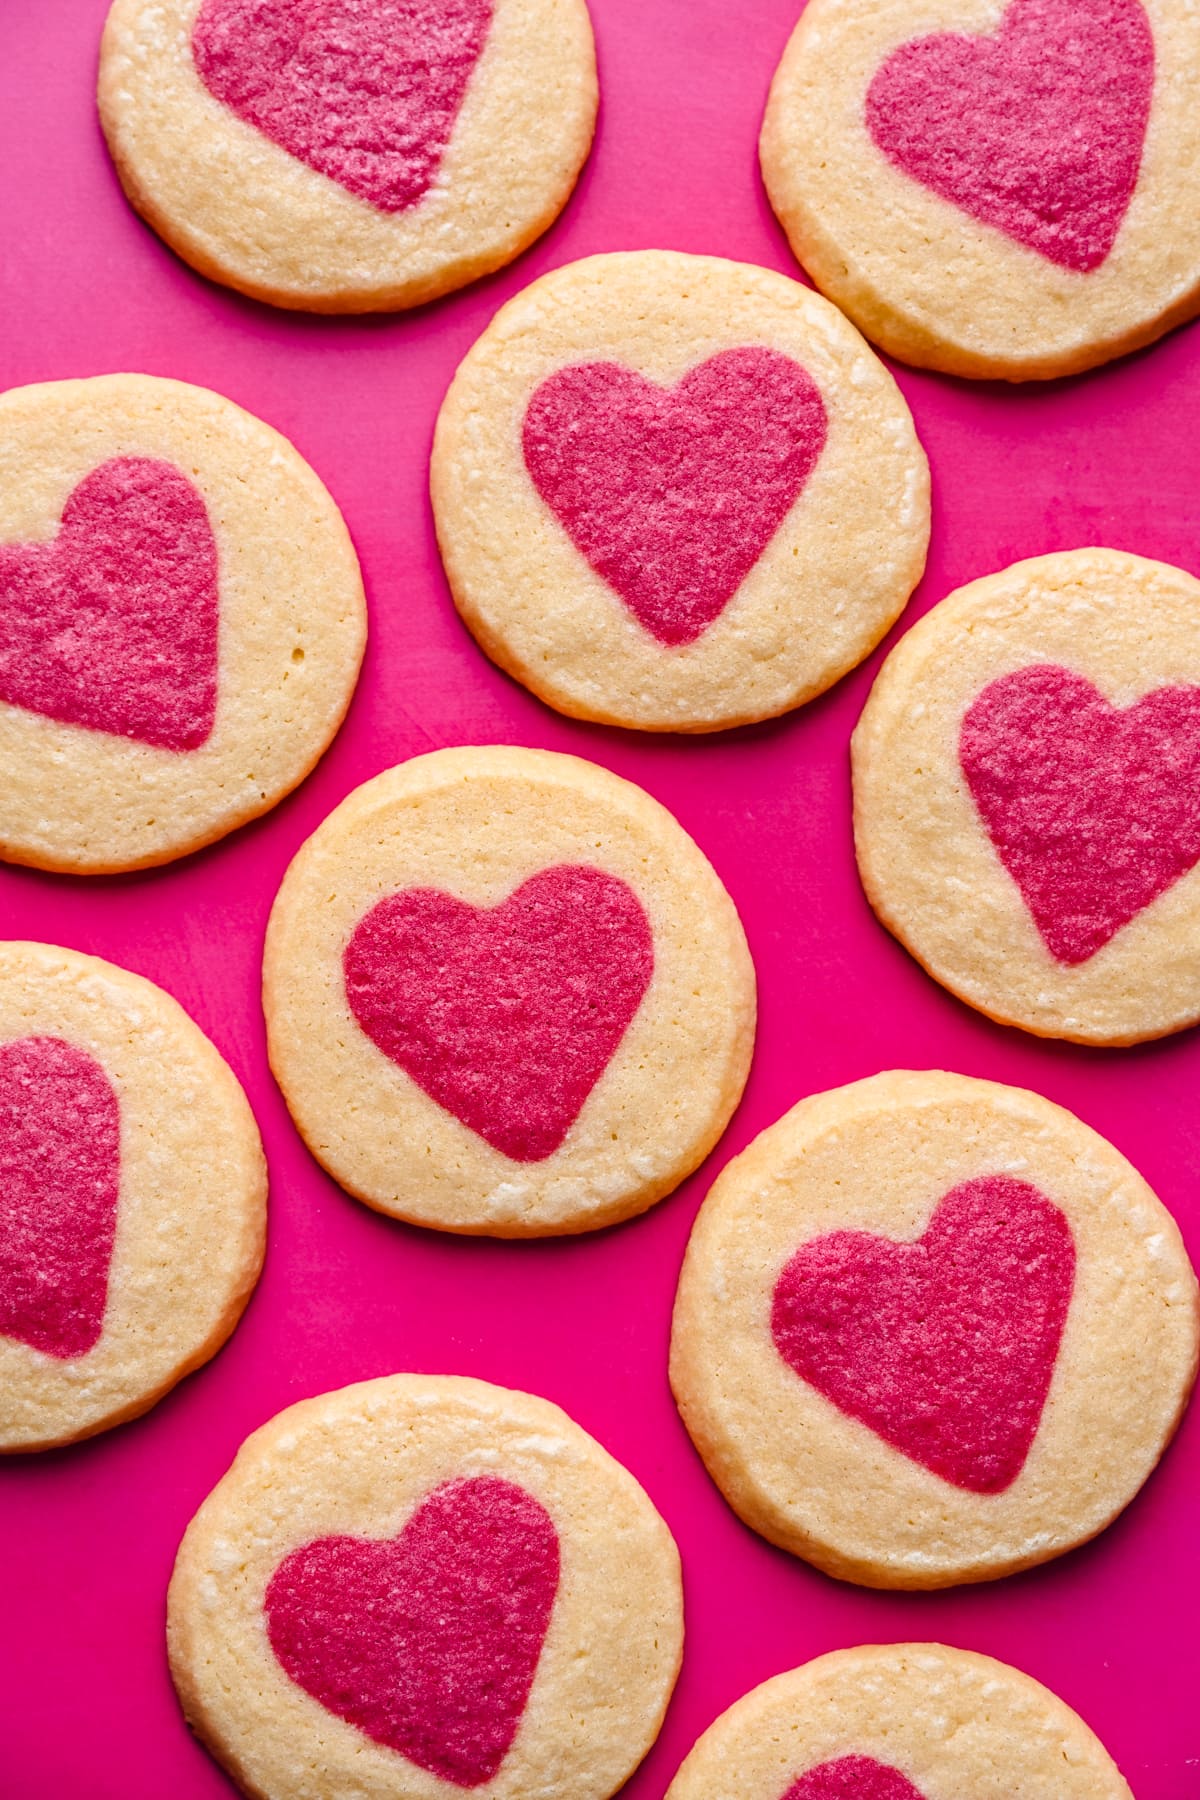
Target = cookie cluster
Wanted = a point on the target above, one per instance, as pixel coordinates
(929, 1329)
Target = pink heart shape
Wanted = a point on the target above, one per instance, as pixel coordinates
(113, 624)
(673, 494)
(1037, 130)
(854, 1778)
(1094, 810)
(427, 1642)
(365, 92)
(945, 1347)
(60, 1164)
(506, 1016)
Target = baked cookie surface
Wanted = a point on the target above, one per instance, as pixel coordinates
(677, 493)
(997, 188)
(182, 621)
(348, 155)
(132, 1196)
(505, 993)
(1026, 773)
(421, 1583)
(932, 1330)
(900, 1722)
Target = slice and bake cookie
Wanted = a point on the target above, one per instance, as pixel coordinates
(900, 1722)
(505, 993)
(677, 493)
(993, 187)
(423, 1583)
(181, 621)
(1027, 796)
(932, 1330)
(132, 1196)
(348, 155)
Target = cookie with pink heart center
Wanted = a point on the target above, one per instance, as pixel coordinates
(131, 1226)
(1025, 778)
(181, 621)
(932, 1330)
(899, 1722)
(425, 1583)
(1002, 190)
(506, 993)
(676, 493)
(348, 155)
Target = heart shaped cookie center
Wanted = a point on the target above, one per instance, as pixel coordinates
(113, 624)
(945, 1347)
(853, 1778)
(1093, 809)
(366, 92)
(428, 1642)
(672, 494)
(1036, 130)
(506, 1016)
(60, 1166)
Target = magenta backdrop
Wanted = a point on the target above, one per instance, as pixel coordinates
(87, 1536)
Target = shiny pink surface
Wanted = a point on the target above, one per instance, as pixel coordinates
(87, 1536)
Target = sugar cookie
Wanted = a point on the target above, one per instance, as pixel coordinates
(132, 1196)
(1027, 796)
(900, 1722)
(505, 993)
(932, 1330)
(181, 621)
(1005, 188)
(677, 493)
(422, 1583)
(348, 155)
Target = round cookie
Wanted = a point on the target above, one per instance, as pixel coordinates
(932, 1330)
(997, 188)
(506, 994)
(422, 1581)
(132, 1196)
(900, 1722)
(677, 493)
(181, 621)
(348, 155)
(1026, 773)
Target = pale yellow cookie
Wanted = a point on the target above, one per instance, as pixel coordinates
(900, 1722)
(506, 993)
(677, 493)
(932, 1330)
(423, 1584)
(1026, 774)
(348, 155)
(181, 621)
(997, 188)
(132, 1196)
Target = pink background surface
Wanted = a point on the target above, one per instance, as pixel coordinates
(87, 1536)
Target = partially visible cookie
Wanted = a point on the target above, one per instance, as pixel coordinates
(505, 993)
(932, 1330)
(348, 155)
(424, 1583)
(181, 621)
(677, 493)
(1027, 796)
(900, 1722)
(997, 188)
(132, 1196)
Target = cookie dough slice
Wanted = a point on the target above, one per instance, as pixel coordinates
(507, 994)
(132, 1196)
(932, 1330)
(424, 1583)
